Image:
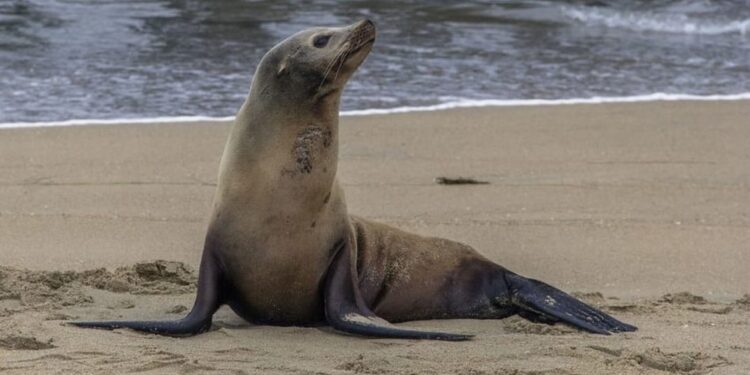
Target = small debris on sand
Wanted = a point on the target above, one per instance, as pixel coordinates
(459, 181)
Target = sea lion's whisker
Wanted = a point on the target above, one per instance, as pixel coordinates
(341, 50)
(341, 63)
(327, 70)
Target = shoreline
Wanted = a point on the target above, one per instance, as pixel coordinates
(461, 103)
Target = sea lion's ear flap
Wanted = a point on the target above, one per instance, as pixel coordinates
(283, 67)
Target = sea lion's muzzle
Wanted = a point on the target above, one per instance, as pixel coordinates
(362, 34)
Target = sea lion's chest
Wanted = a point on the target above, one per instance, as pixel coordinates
(279, 214)
(276, 257)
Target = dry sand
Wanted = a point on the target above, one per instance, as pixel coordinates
(643, 209)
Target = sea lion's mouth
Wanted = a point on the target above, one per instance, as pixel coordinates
(356, 49)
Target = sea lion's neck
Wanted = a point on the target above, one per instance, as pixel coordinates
(292, 147)
(261, 112)
(263, 126)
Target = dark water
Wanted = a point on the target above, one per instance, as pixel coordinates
(74, 59)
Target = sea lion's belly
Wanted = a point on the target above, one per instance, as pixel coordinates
(276, 266)
(283, 287)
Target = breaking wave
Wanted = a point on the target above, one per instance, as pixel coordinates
(659, 22)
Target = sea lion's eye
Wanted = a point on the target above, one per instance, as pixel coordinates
(321, 41)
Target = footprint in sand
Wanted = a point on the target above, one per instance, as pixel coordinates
(683, 298)
(613, 304)
(57, 289)
(156, 359)
(122, 304)
(362, 365)
(24, 343)
(743, 302)
(519, 325)
(177, 309)
(696, 303)
(678, 363)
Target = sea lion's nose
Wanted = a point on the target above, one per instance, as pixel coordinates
(365, 23)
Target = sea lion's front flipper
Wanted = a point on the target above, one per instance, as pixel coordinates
(207, 301)
(346, 311)
(544, 303)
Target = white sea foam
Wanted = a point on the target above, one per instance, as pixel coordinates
(461, 103)
(467, 103)
(660, 22)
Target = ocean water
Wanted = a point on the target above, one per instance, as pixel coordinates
(79, 59)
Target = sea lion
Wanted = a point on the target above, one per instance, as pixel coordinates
(282, 249)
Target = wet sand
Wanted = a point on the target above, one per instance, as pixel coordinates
(641, 208)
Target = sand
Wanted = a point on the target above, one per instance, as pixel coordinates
(642, 209)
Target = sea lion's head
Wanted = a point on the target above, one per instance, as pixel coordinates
(314, 64)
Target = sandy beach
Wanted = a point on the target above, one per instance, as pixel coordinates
(642, 209)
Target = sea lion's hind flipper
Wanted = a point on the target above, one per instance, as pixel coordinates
(207, 301)
(541, 302)
(346, 311)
